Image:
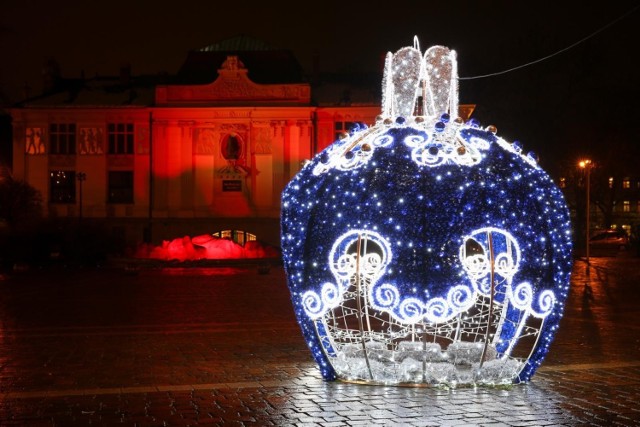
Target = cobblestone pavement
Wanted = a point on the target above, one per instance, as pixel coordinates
(180, 347)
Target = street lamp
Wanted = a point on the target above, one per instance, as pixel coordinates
(81, 176)
(587, 165)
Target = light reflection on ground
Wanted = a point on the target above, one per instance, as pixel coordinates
(187, 346)
(213, 271)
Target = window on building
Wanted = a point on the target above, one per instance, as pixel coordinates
(239, 236)
(610, 182)
(626, 206)
(34, 141)
(120, 137)
(341, 127)
(626, 183)
(62, 138)
(120, 187)
(62, 186)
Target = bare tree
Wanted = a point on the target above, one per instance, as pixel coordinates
(20, 203)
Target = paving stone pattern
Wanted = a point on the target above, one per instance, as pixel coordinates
(220, 346)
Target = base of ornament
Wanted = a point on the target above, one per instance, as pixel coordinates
(418, 364)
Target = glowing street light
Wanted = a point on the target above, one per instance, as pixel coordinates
(587, 165)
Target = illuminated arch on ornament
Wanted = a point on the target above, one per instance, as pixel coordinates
(477, 263)
(345, 264)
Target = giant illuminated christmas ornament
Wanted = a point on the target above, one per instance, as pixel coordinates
(422, 249)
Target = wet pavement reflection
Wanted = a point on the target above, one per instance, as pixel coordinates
(220, 346)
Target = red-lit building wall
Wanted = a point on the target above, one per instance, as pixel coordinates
(198, 159)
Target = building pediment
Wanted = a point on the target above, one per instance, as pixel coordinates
(233, 86)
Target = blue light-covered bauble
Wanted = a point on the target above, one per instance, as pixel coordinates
(409, 264)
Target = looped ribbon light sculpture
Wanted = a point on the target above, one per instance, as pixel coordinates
(424, 250)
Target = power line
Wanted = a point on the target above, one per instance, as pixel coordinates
(556, 53)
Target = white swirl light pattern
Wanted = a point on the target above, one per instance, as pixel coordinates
(351, 154)
(477, 264)
(440, 148)
(435, 151)
(522, 298)
(386, 297)
(357, 274)
(345, 266)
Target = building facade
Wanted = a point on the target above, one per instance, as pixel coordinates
(614, 199)
(176, 159)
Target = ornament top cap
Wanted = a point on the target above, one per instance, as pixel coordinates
(417, 85)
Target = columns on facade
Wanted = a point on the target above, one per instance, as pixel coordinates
(174, 168)
(186, 168)
(298, 140)
(280, 170)
(173, 164)
(291, 148)
(19, 150)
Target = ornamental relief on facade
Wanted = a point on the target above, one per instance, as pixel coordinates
(235, 90)
(244, 89)
(91, 140)
(306, 128)
(233, 127)
(230, 173)
(262, 140)
(233, 150)
(204, 141)
(229, 170)
(277, 127)
(233, 84)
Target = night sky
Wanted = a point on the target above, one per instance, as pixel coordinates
(593, 82)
